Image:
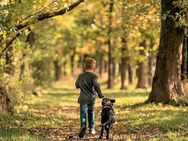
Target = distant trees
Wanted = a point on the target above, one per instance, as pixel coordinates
(121, 35)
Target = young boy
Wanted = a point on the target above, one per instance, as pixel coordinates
(88, 84)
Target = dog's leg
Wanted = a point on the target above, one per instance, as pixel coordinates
(101, 133)
(107, 132)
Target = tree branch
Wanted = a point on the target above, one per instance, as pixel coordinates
(36, 12)
(8, 43)
(47, 15)
(40, 17)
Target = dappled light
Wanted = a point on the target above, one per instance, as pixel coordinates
(73, 69)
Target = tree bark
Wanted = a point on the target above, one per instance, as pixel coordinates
(166, 84)
(110, 61)
(141, 72)
(184, 60)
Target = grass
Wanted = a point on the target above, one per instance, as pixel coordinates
(55, 116)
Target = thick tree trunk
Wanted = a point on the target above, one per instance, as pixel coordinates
(141, 72)
(184, 59)
(166, 84)
(110, 61)
(58, 70)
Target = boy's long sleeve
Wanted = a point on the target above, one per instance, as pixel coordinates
(97, 87)
(77, 83)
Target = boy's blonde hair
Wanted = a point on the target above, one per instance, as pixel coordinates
(89, 64)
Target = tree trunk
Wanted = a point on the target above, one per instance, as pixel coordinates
(184, 60)
(84, 58)
(58, 70)
(123, 62)
(141, 72)
(150, 62)
(105, 66)
(130, 72)
(166, 85)
(101, 64)
(22, 67)
(110, 61)
(5, 100)
(187, 56)
(150, 70)
(72, 62)
(79, 64)
(65, 68)
(114, 70)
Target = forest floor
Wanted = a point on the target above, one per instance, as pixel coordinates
(55, 116)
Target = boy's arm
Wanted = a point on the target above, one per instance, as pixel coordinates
(77, 83)
(97, 87)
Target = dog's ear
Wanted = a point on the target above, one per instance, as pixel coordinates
(103, 101)
(112, 100)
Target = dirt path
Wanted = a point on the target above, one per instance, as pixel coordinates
(133, 122)
(70, 126)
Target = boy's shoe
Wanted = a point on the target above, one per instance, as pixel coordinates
(82, 131)
(92, 131)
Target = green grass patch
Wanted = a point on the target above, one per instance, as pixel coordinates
(55, 116)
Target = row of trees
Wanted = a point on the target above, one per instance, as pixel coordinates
(123, 36)
(24, 52)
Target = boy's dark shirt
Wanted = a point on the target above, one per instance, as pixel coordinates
(88, 84)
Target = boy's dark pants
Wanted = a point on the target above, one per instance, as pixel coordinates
(84, 110)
